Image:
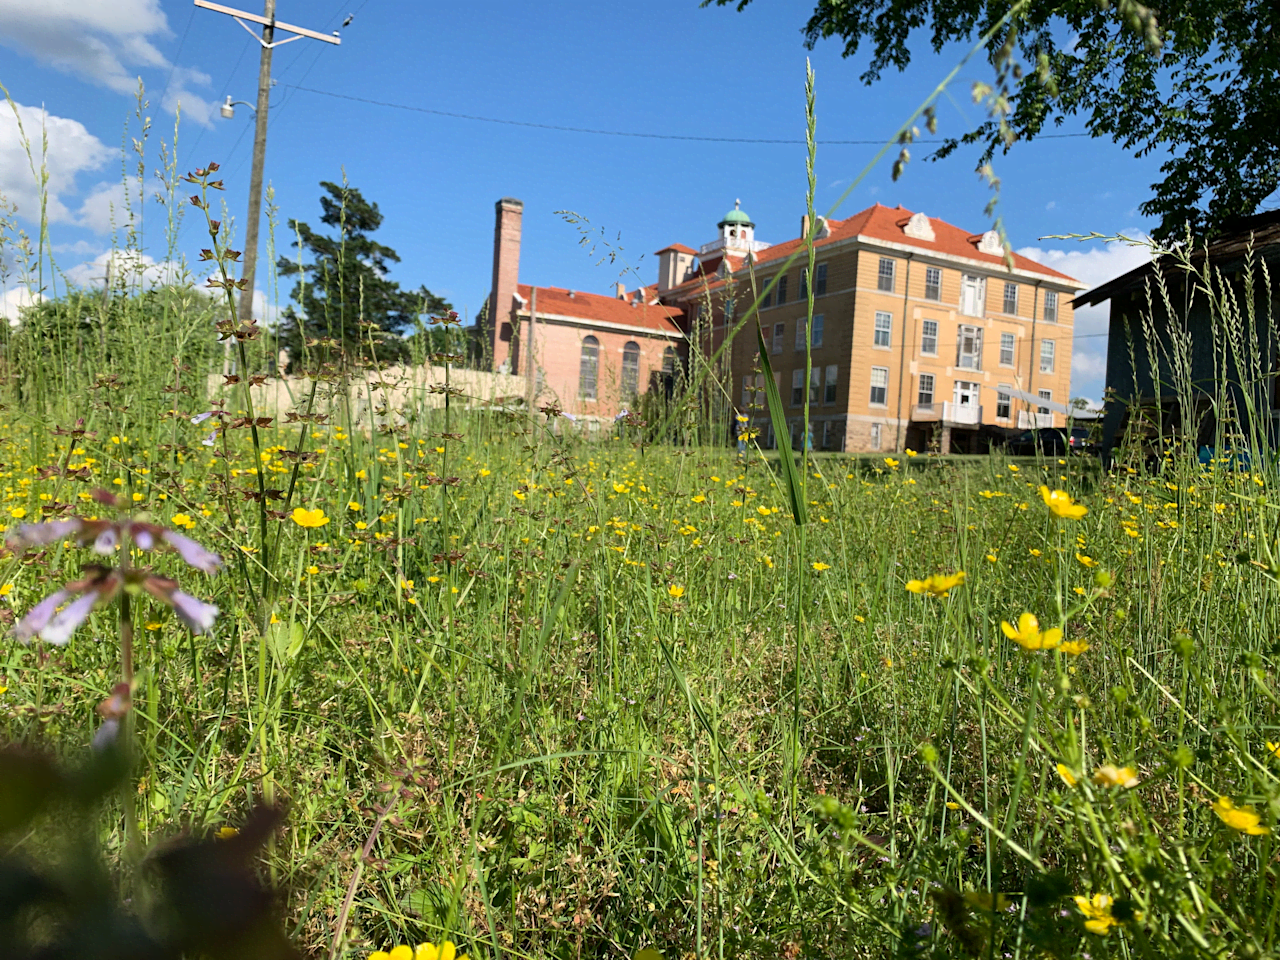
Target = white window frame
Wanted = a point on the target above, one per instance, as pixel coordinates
(831, 384)
(972, 359)
(920, 391)
(1048, 355)
(979, 284)
(1045, 395)
(1004, 398)
(929, 341)
(886, 274)
(1008, 347)
(936, 286)
(883, 374)
(779, 335)
(797, 386)
(1051, 306)
(1008, 289)
(882, 338)
(876, 436)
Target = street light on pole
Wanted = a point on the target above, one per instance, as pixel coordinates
(269, 25)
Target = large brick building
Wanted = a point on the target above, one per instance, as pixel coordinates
(591, 354)
(922, 332)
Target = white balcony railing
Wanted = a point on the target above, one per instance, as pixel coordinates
(969, 413)
(1034, 421)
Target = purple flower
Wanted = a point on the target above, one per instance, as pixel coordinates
(43, 534)
(39, 616)
(105, 543)
(200, 418)
(59, 630)
(196, 614)
(210, 439)
(206, 561)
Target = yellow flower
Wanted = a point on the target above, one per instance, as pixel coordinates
(8, 588)
(17, 513)
(1086, 561)
(1243, 819)
(1097, 912)
(352, 505)
(1060, 504)
(1027, 633)
(619, 488)
(313, 570)
(938, 585)
(1109, 775)
(891, 463)
(153, 625)
(1272, 748)
(138, 498)
(309, 518)
(1067, 776)
(952, 805)
(1073, 647)
(910, 453)
(699, 499)
(675, 591)
(820, 566)
(226, 833)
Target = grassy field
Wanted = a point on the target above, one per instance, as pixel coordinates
(598, 697)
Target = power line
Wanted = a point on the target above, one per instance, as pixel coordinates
(174, 65)
(612, 133)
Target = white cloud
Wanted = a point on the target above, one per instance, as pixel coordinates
(1092, 265)
(106, 43)
(71, 150)
(137, 271)
(13, 299)
(104, 209)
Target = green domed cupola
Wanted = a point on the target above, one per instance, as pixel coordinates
(736, 225)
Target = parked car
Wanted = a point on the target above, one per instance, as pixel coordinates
(1051, 441)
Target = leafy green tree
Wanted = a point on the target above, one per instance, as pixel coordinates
(346, 307)
(1199, 79)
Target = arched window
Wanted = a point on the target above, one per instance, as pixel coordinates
(589, 368)
(669, 361)
(630, 369)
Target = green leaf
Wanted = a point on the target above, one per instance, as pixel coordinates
(790, 474)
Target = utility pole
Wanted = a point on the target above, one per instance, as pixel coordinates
(269, 26)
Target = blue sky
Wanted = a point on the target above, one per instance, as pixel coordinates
(663, 67)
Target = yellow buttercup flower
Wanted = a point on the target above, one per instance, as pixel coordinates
(1027, 633)
(820, 566)
(1097, 912)
(1272, 748)
(1109, 775)
(1060, 504)
(1067, 776)
(309, 518)
(1243, 819)
(423, 951)
(675, 591)
(1073, 647)
(938, 585)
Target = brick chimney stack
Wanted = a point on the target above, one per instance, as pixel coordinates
(506, 274)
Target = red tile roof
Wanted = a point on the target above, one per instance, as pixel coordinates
(660, 318)
(678, 248)
(886, 223)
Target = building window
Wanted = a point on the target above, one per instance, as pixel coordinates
(1003, 404)
(832, 373)
(630, 369)
(1046, 356)
(1011, 298)
(1051, 305)
(588, 368)
(779, 334)
(669, 361)
(880, 385)
(767, 299)
(797, 387)
(1045, 395)
(969, 348)
(804, 283)
(815, 384)
(820, 280)
(1006, 349)
(933, 283)
(925, 397)
(826, 434)
(816, 337)
(929, 338)
(782, 290)
(875, 436)
(973, 295)
(884, 279)
(884, 327)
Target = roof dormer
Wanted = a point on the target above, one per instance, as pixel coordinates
(919, 228)
(990, 243)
